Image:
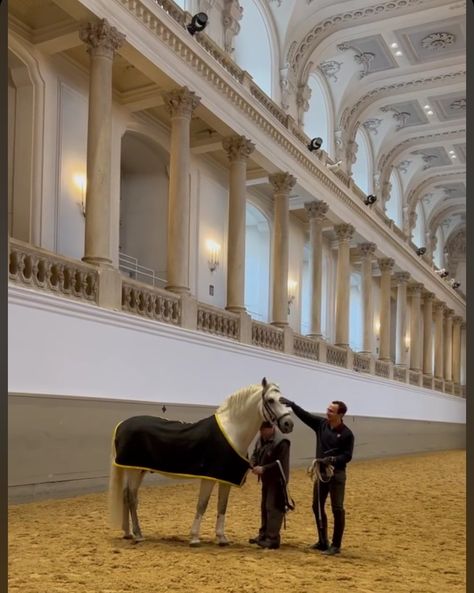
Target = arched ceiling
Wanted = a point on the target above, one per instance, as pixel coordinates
(398, 68)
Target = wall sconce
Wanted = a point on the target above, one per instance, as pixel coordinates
(80, 181)
(377, 334)
(213, 251)
(407, 343)
(292, 285)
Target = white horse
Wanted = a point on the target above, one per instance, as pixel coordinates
(239, 418)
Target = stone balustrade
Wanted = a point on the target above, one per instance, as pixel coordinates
(414, 377)
(154, 303)
(306, 347)
(400, 374)
(218, 322)
(439, 384)
(361, 363)
(383, 368)
(428, 381)
(336, 355)
(267, 336)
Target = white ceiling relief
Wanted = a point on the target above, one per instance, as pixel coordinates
(371, 53)
(408, 113)
(433, 157)
(449, 107)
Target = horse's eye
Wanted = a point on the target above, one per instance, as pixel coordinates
(270, 400)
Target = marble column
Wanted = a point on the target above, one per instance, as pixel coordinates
(344, 234)
(282, 184)
(414, 291)
(439, 309)
(180, 104)
(428, 298)
(367, 251)
(448, 345)
(401, 280)
(317, 215)
(457, 321)
(386, 266)
(238, 149)
(102, 42)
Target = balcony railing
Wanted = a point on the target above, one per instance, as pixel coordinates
(45, 271)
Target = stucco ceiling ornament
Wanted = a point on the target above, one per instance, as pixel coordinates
(330, 68)
(364, 58)
(401, 117)
(403, 166)
(372, 125)
(458, 105)
(427, 158)
(427, 198)
(437, 41)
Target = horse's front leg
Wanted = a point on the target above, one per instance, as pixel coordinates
(204, 495)
(223, 498)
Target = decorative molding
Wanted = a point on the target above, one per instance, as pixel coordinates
(458, 105)
(238, 148)
(403, 166)
(330, 69)
(401, 117)
(231, 15)
(181, 102)
(282, 183)
(364, 58)
(316, 209)
(101, 38)
(437, 41)
(426, 157)
(344, 232)
(367, 250)
(386, 264)
(372, 125)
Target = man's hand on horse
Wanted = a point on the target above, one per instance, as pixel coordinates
(257, 470)
(286, 402)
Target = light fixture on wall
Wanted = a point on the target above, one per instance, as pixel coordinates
(377, 334)
(370, 199)
(80, 181)
(213, 251)
(198, 23)
(292, 286)
(407, 343)
(315, 144)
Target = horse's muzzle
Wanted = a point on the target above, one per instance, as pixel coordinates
(285, 424)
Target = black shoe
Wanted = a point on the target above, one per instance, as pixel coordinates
(255, 540)
(332, 550)
(265, 543)
(322, 546)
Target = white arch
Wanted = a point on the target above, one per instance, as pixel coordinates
(257, 18)
(363, 167)
(394, 205)
(419, 232)
(318, 122)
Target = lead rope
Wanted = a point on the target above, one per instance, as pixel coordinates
(289, 502)
(315, 473)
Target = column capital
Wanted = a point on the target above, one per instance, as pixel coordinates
(282, 183)
(428, 296)
(386, 264)
(449, 313)
(415, 289)
(316, 209)
(463, 325)
(344, 232)
(457, 320)
(238, 148)
(181, 102)
(401, 278)
(367, 250)
(439, 306)
(101, 38)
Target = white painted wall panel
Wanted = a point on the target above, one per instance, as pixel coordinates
(57, 346)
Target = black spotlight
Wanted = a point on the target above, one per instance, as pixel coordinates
(370, 199)
(198, 23)
(315, 144)
(456, 284)
(421, 251)
(444, 273)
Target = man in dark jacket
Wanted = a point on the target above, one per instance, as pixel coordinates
(334, 447)
(270, 461)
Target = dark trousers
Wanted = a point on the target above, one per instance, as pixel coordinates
(335, 488)
(272, 512)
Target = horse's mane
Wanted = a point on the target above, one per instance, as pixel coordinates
(237, 400)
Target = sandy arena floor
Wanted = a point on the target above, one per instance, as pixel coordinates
(405, 533)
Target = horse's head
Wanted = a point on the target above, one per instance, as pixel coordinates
(273, 410)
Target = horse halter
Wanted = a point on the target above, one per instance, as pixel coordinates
(267, 412)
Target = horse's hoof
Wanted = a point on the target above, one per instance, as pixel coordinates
(223, 544)
(128, 536)
(195, 544)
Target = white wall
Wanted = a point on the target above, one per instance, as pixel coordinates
(57, 346)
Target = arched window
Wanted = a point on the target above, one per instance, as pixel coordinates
(253, 47)
(394, 203)
(257, 263)
(438, 255)
(362, 168)
(419, 231)
(356, 317)
(317, 118)
(306, 292)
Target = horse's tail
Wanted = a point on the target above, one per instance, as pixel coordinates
(116, 496)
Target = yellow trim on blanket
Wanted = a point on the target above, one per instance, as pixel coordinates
(227, 438)
(177, 475)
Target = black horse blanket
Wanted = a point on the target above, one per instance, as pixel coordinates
(199, 449)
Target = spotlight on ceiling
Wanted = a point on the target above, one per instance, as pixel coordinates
(442, 273)
(315, 144)
(421, 251)
(370, 199)
(456, 285)
(198, 23)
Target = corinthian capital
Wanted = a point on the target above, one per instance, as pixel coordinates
(344, 232)
(415, 289)
(316, 209)
(101, 38)
(367, 250)
(401, 278)
(428, 296)
(386, 264)
(238, 148)
(181, 102)
(282, 183)
(439, 307)
(457, 320)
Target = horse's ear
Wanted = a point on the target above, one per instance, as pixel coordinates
(264, 382)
